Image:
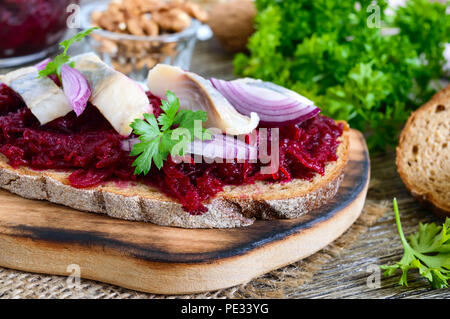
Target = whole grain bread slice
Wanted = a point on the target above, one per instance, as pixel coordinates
(423, 153)
(236, 206)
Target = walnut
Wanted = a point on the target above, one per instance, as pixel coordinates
(152, 5)
(135, 26)
(150, 27)
(172, 20)
(108, 46)
(108, 21)
(142, 18)
(195, 11)
(130, 9)
(172, 16)
(169, 48)
(95, 16)
(124, 68)
(148, 62)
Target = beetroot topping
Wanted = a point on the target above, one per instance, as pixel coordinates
(86, 142)
(91, 149)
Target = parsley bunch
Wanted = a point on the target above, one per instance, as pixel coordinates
(54, 66)
(333, 52)
(428, 250)
(158, 137)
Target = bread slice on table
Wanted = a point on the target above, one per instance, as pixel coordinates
(236, 206)
(423, 153)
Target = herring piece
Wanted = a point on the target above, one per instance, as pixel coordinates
(196, 93)
(116, 96)
(42, 96)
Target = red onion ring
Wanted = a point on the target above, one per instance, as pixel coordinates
(76, 88)
(275, 105)
(220, 146)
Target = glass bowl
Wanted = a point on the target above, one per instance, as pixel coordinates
(136, 55)
(31, 29)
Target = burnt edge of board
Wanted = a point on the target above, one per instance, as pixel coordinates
(356, 174)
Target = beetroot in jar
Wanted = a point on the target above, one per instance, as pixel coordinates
(30, 29)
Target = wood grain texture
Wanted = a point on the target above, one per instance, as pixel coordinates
(344, 276)
(42, 237)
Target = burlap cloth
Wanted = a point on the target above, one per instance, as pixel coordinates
(276, 284)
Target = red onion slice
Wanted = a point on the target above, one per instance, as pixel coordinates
(220, 146)
(127, 145)
(76, 88)
(224, 147)
(275, 105)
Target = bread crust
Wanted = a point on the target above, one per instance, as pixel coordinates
(426, 197)
(236, 206)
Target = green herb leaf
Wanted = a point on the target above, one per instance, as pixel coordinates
(428, 250)
(187, 120)
(159, 137)
(54, 66)
(170, 108)
(350, 69)
(76, 38)
(147, 130)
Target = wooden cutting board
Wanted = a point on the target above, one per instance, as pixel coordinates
(42, 237)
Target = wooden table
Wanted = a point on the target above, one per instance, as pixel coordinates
(346, 275)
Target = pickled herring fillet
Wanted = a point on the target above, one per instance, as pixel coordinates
(42, 96)
(116, 96)
(196, 93)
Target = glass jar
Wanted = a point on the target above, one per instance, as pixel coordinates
(31, 29)
(136, 55)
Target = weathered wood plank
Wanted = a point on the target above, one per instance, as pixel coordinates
(41, 237)
(345, 276)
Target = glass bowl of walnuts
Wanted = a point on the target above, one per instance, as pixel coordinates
(135, 35)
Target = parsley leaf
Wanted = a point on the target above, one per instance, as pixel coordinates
(170, 108)
(158, 137)
(328, 51)
(76, 38)
(54, 66)
(427, 250)
(187, 119)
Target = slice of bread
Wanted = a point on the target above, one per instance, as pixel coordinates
(423, 153)
(236, 206)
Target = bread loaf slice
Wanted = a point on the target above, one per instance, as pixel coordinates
(236, 206)
(423, 153)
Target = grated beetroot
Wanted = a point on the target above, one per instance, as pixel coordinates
(90, 147)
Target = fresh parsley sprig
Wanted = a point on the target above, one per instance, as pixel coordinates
(54, 66)
(428, 250)
(158, 137)
(351, 70)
